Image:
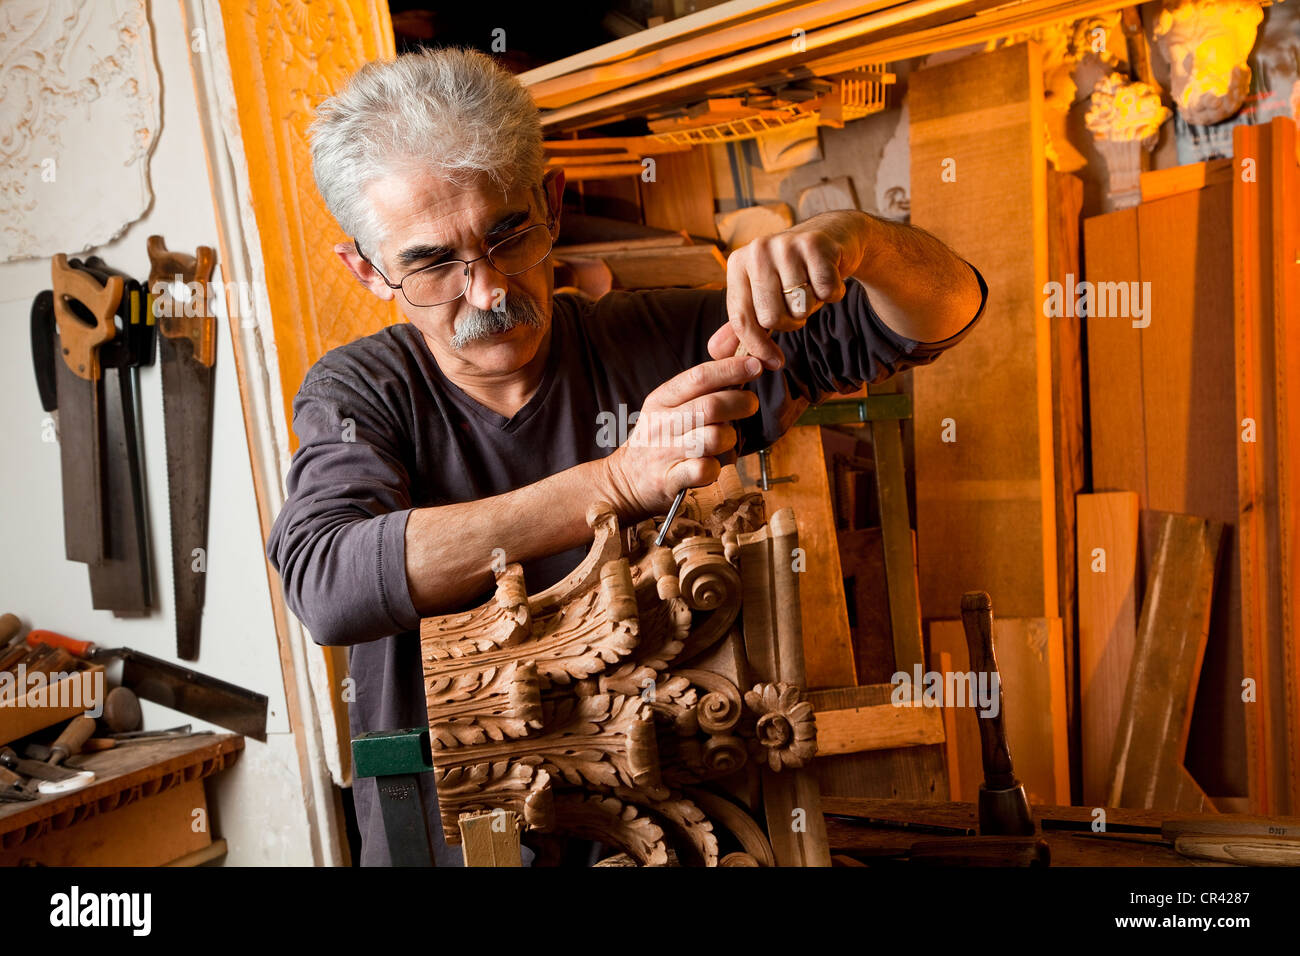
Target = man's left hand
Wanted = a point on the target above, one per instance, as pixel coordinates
(775, 282)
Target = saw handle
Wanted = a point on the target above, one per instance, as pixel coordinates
(79, 342)
(73, 646)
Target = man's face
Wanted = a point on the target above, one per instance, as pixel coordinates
(499, 323)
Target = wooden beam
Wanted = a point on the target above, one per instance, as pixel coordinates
(1160, 183)
(874, 726)
(491, 838)
(1146, 767)
(1107, 561)
(1266, 257)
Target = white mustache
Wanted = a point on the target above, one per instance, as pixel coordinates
(479, 323)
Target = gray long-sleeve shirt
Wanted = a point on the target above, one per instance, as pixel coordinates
(382, 431)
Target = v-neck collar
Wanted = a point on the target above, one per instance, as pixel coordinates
(487, 415)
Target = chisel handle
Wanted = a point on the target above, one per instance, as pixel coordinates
(79, 730)
(977, 620)
(73, 646)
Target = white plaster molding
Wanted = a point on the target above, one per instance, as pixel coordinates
(1206, 43)
(79, 116)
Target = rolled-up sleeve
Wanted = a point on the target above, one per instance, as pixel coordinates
(843, 346)
(339, 543)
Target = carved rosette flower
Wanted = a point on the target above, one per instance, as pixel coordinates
(785, 733)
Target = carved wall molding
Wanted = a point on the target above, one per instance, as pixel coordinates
(636, 701)
(79, 115)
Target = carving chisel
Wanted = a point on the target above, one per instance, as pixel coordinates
(78, 384)
(187, 349)
(676, 506)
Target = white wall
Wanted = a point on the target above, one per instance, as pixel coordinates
(258, 804)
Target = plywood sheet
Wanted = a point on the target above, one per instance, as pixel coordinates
(985, 502)
(1107, 560)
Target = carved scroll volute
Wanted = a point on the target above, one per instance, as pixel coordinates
(706, 578)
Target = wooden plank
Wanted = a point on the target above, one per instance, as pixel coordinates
(1150, 745)
(1029, 653)
(1117, 426)
(1068, 849)
(1064, 204)
(862, 563)
(1191, 442)
(1159, 183)
(598, 249)
(827, 643)
(874, 726)
(491, 838)
(681, 194)
(897, 538)
(666, 266)
(1267, 333)
(986, 501)
(952, 753)
(719, 41)
(915, 772)
(653, 38)
(1107, 561)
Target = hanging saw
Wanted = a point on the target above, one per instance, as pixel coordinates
(187, 350)
(79, 387)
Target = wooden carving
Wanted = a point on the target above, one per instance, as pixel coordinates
(651, 700)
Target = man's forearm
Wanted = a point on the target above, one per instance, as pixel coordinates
(449, 548)
(918, 286)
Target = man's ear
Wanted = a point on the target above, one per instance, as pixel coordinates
(553, 185)
(362, 270)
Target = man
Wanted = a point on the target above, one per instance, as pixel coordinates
(432, 449)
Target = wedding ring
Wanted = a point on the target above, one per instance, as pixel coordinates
(801, 285)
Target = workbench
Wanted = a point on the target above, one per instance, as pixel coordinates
(1067, 848)
(146, 807)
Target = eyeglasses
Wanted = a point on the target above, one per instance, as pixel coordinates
(447, 281)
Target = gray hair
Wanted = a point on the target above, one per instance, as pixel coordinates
(453, 111)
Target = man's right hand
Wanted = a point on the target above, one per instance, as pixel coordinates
(682, 425)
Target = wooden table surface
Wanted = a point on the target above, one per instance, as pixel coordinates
(1067, 848)
(122, 776)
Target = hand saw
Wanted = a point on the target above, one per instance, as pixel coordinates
(187, 352)
(121, 581)
(79, 386)
(122, 584)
